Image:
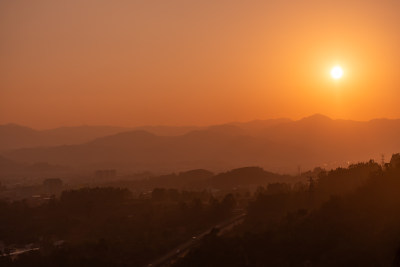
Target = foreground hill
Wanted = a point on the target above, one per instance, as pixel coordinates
(348, 217)
(280, 145)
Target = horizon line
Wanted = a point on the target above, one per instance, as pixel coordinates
(193, 126)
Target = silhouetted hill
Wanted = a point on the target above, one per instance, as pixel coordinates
(246, 176)
(8, 166)
(282, 146)
(258, 126)
(194, 179)
(142, 150)
(335, 140)
(316, 118)
(131, 138)
(163, 130)
(79, 134)
(13, 136)
(225, 129)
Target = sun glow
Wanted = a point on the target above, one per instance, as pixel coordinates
(337, 72)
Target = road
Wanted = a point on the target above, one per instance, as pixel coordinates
(182, 249)
(18, 252)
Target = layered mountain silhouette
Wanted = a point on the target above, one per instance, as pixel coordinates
(9, 167)
(276, 145)
(13, 136)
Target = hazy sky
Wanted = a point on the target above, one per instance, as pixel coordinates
(196, 62)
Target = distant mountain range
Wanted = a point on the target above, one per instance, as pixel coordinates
(13, 136)
(277, 145)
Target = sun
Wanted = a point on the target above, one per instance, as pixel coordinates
(337, 72)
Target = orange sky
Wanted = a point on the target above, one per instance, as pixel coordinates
(196, 62)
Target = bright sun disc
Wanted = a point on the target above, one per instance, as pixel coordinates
(337, 72)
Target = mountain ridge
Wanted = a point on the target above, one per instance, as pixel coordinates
(276, 146)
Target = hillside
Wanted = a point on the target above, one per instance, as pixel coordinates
(13, 136)
(282, 147)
